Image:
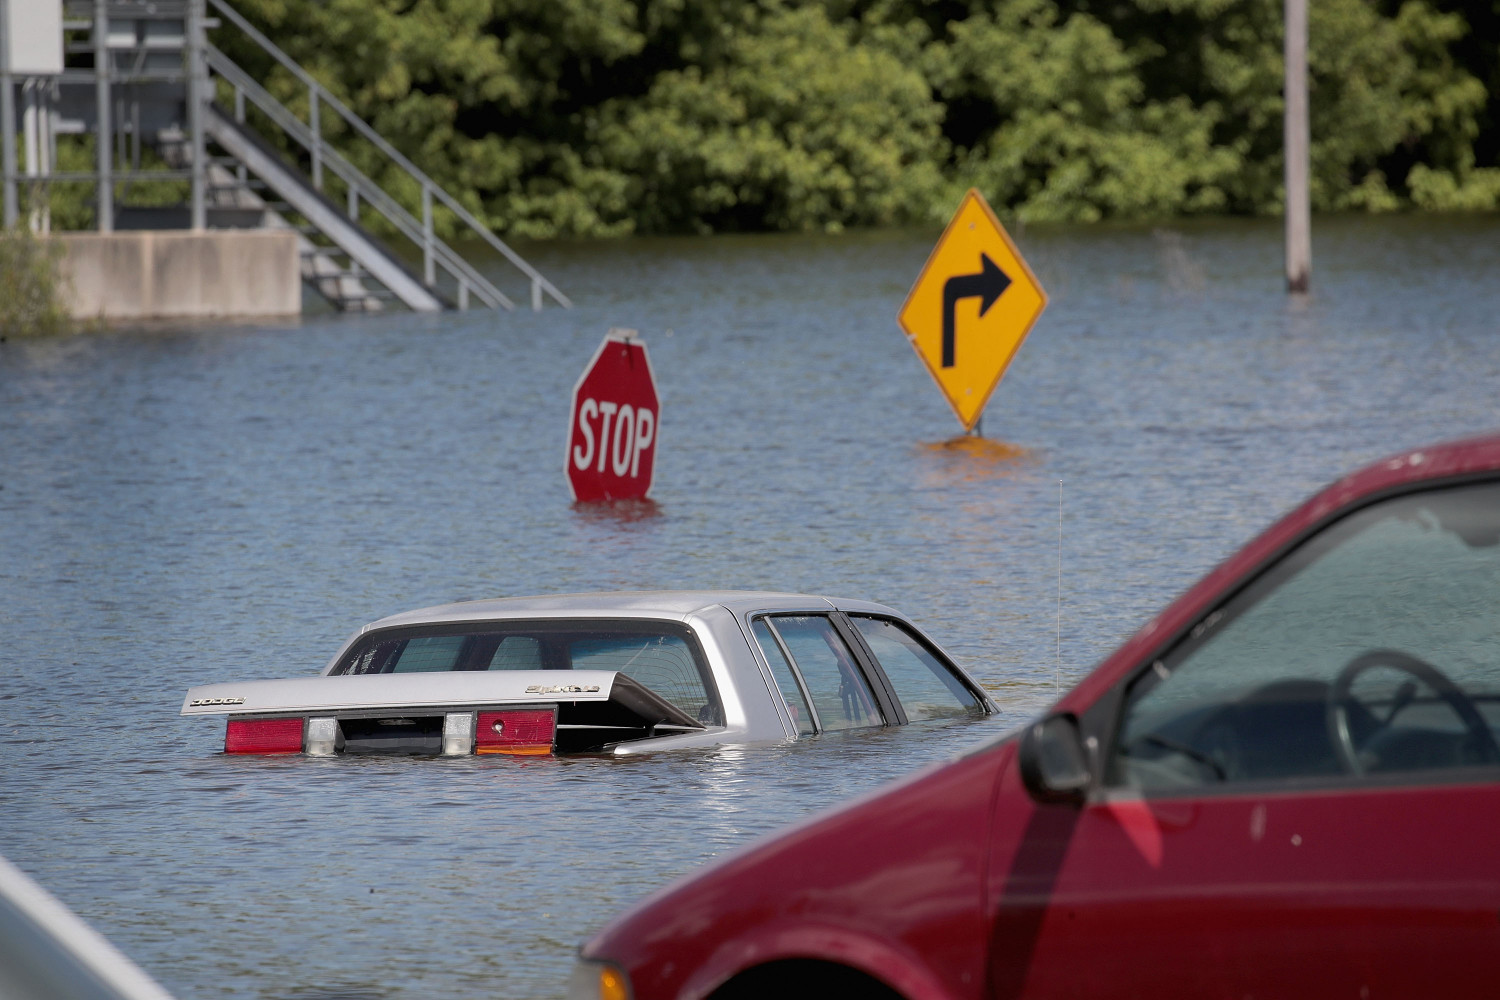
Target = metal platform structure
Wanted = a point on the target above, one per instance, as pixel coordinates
(164, 103)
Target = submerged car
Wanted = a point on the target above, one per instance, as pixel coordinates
(1285, 785)
(601, 673)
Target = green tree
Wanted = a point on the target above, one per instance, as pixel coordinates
(796, 127)
(1385, 92)
(1074, 134)
(600, 117)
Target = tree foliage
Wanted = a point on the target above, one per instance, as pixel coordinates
(559, 117)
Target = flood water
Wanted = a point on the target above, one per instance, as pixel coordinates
(180, 506)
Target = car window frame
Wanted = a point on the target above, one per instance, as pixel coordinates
(561, 624)
(1101, 722)
(791, 664)
(890, 705)
(932, 650)
(875, 679)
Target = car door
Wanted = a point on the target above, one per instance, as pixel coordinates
(921, 682)
(1301, 798)
(823, 679)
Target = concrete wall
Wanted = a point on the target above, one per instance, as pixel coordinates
(153, 275)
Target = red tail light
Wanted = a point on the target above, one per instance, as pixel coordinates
(522, 731)
(263, 736)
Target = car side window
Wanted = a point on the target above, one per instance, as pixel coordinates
(1371, 649)
(838, 689)
(926, 687)
(785, 680)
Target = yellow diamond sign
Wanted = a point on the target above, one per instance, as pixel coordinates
(972, 306)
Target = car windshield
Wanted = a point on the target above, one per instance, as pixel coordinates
(662, 656)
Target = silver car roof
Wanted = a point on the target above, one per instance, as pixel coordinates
(670, 604)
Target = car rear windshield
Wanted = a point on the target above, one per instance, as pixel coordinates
(663, 656)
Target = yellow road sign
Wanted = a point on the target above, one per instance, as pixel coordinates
(972, 306)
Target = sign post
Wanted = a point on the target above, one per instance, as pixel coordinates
(971, 308)
(613, 426)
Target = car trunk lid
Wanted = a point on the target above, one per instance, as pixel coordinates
(514, 712)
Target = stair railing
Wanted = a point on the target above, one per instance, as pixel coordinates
(321, 154)
(435, 251)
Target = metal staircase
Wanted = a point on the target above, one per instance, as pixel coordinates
(254, 162)
(237, 199)
(335, 248)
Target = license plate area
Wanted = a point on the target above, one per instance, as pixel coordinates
(393, 734)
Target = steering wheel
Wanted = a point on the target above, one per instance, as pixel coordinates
(1340, 699)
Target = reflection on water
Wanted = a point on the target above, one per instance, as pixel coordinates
(982, 452)
(970, 458)
(617, 511)
(180, 506)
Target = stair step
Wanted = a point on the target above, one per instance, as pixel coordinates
(376, 294)
(365, 292)
(249, 183)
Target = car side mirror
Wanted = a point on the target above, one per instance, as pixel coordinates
(1054, 765)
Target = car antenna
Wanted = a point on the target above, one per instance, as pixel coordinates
(1057, 670)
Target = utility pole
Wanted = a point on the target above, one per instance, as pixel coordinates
(1296, 141)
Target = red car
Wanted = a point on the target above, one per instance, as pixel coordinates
(1287, 785)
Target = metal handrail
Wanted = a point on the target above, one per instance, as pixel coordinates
(437, 251)
(405, 222)
(318, 94)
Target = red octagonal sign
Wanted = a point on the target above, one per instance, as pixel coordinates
(612, 430)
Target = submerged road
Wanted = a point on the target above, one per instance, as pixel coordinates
(189, 505)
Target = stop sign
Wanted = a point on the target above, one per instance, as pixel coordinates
(612, 430)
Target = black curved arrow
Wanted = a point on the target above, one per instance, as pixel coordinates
(988, 284)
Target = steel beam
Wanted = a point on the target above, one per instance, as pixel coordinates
(105, 215)
(12, 210)
(197, 78)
